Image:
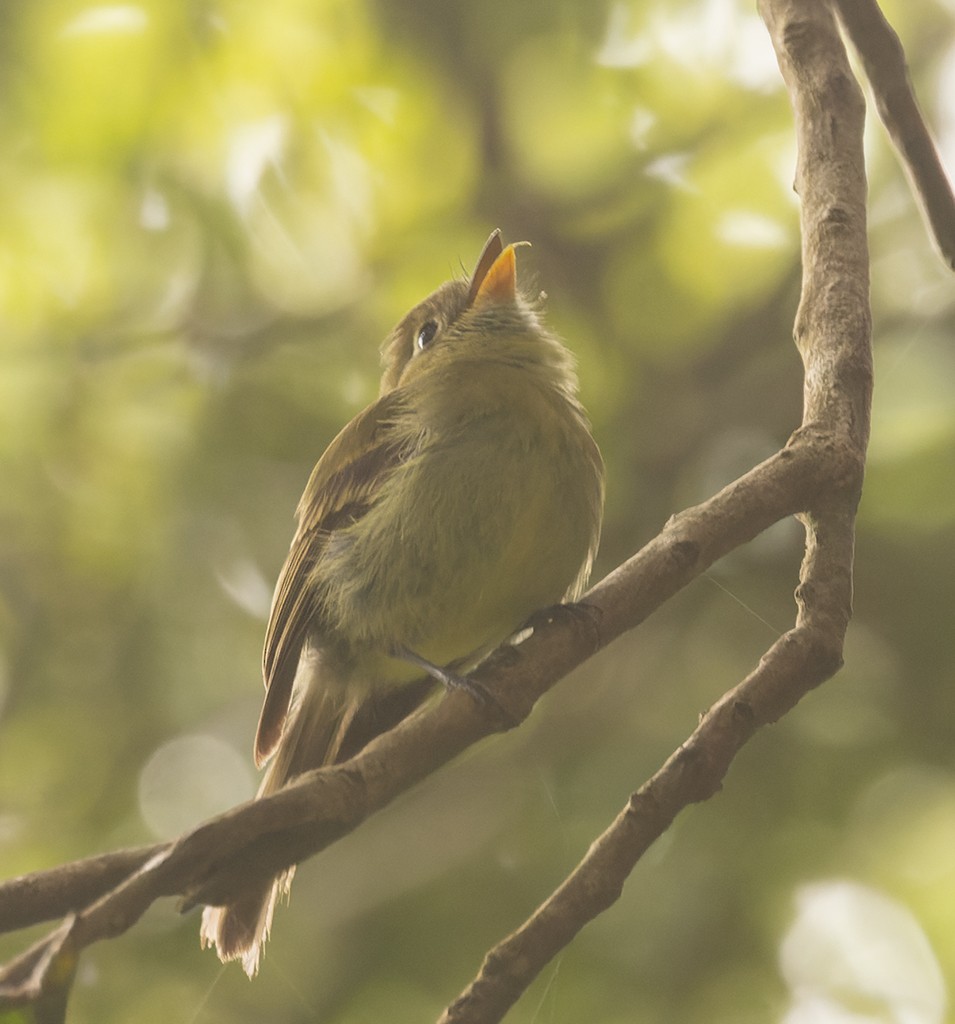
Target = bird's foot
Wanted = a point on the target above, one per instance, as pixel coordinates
(451, 680)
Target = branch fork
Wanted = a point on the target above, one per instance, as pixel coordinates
(818, 476)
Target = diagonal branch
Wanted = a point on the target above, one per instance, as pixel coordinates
(884, 61)
(833, 335)
(46, 895)
(819, 474)
(264, 836)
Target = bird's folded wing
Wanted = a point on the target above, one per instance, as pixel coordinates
(341, 489)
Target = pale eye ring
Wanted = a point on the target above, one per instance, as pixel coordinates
(426, 334)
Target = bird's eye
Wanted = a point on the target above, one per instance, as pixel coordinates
(425, 335)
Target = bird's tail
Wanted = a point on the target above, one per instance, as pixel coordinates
(239, 930)
(326, 727)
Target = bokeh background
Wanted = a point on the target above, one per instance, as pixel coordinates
(212, 212)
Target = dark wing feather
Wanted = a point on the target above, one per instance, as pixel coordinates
(341, 489)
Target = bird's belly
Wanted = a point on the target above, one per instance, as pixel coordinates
(464, 544)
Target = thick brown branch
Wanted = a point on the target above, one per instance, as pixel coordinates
(833, 335)
(693, 773)
(819, 473)
(46, 895)
(264, 836)
(885, 66)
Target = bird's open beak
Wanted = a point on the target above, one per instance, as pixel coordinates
(494, 279)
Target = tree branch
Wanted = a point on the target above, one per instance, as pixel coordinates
(833, 335)
(887, 71)
(819, 473)
(46, 895)
(264, 836)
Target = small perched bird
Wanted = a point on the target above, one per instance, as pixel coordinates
(467, 497)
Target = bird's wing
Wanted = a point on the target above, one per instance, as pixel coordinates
(340, 491)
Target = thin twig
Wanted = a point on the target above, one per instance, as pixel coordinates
(885, 66)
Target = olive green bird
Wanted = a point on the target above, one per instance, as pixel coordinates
(468, 496)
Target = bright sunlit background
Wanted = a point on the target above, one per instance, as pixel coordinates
(212, 212)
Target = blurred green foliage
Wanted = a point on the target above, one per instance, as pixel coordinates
(212, 212)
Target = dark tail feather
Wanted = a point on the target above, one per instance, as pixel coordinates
(324, 729)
